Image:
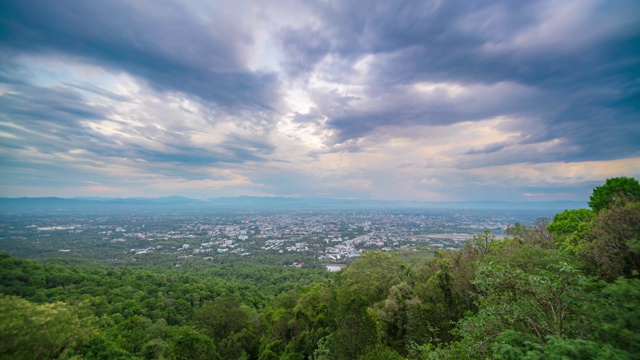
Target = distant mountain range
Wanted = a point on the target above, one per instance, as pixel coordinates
(262, 203)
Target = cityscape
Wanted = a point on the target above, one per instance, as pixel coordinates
(319, 180)
(292, 237)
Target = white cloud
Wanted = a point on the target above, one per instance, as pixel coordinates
(416, 102)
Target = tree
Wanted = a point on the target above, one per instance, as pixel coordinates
(371, 276)
(511, 346)
(614, 189)
(537, 234)
(615, 248)
(228, 322)
(223, 317)
(530, 306)
(570, 228)
(100, 348)
(131, 334)
(482, 242)
(439, 293)
(393, 316)
(381, 352)
(191, 345)
(364, 283)
(617, 320)
(47, 331)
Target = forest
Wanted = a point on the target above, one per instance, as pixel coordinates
(561, 288)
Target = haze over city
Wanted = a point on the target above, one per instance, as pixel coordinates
(385, 100)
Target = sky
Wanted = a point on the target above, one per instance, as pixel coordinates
(429, 100)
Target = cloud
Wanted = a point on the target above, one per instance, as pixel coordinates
(507, 59)
(416, 100)
(117, 129)
(195, 49)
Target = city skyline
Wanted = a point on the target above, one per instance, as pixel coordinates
(410, 100)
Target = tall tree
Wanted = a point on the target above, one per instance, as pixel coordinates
(191, 345)
(615, 249)
(483, 242)
(529, 306)
(614, 189)
(364, 283)
(571, 228)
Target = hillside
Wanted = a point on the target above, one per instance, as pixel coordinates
(565, 289)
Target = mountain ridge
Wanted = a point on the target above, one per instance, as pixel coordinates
(266, 202)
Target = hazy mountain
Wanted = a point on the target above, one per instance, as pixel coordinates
(251, 202)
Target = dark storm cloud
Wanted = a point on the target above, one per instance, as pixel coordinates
(426, 39)
(161, 42)
(579, 59)
(476, 41)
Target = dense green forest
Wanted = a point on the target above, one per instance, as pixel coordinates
(567, 287)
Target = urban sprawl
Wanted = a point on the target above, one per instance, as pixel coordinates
(320, 236)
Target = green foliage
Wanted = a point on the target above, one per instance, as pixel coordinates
(534, 306)
(536, 234)
(323, 351)
(138, 308)
(438, 303)
(132, 334)
(483, 242)
(613, 251)
(537, 294)
(99, 348)
(457, 350)
(511, 346)
(363, 284)
(618, 318)
(191, 345)
(571, 228)
(40, 331)
(614, 190)
(395, 316)
(381, 352)
(154, 349)
(222, 317)
(370, 277)
(355, 332)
